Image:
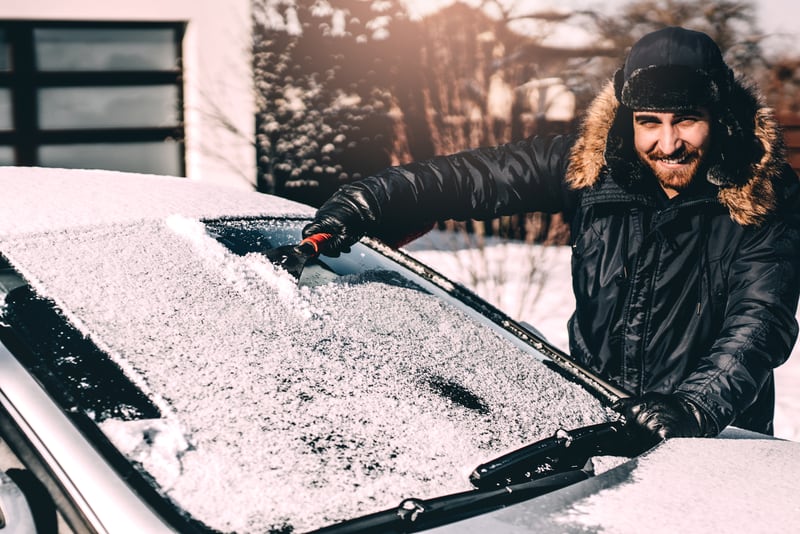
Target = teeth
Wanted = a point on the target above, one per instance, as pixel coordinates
(674, 161)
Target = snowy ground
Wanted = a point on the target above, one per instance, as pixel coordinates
(533, 284)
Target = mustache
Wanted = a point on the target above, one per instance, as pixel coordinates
(685, 152)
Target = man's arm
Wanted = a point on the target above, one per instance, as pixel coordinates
(759, 329)
(483, 183)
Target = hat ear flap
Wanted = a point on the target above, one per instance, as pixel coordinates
(724, 82)
(735, 150)
(619, 83)
(620, 154)
(736, 141)
(730, 81)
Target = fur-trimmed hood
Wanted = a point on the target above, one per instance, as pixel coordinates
(747, 155)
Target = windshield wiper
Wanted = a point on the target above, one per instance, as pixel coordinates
(566, 450)
(413, 515)
(536, 469)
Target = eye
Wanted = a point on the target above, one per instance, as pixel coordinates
(647, 123)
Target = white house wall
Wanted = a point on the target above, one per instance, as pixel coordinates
(219, 105)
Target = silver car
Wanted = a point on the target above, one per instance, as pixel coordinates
(159, 373)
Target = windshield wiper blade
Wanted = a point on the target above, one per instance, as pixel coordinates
(530, 471)
(566, 450)
(413, 515)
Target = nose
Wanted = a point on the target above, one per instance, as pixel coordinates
(669, 140)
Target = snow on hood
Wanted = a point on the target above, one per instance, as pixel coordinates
(282, 406)
(756, 479)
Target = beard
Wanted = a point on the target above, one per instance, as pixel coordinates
(680, 178)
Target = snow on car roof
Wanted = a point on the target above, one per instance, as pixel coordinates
(283, 406)
(38, 199)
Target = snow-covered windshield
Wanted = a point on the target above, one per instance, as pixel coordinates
(285, 406)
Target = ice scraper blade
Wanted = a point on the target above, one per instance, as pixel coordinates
(293, 258)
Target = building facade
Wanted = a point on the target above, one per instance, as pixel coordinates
(161, 87)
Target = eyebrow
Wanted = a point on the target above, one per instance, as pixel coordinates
(647, 117)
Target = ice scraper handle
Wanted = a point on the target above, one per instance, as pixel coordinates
(292, 258)
(311, 244)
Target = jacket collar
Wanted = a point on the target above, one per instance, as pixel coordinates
(607, 190)
(745, 168)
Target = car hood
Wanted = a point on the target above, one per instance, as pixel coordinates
(738, 482)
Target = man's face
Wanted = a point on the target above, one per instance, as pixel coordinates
(672, 144)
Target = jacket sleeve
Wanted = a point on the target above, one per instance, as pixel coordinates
(482, 183)
(759, 327)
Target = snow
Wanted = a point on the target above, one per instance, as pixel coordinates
(288, 393)
(302, 405)
(306, 405)
(688, 475)
(533, 284)
(47, 198)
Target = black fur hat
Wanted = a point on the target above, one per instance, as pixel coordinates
(673, 69)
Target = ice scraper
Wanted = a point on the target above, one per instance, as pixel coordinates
(293, 258)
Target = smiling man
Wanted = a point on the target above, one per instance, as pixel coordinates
(685, 232)
(672, 145)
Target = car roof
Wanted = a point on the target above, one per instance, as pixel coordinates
(44, 199)
(303, 405)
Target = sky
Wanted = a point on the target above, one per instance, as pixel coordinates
(780, 17)
(777, 17)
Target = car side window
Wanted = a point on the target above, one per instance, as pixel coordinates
(72, 367)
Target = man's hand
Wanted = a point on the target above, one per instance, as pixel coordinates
(662, 416)
(346, 216)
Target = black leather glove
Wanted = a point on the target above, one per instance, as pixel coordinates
(661, 416)
(346, 216)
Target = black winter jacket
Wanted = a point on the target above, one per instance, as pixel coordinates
(694, 295)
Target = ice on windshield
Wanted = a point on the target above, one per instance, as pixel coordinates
(291, 407)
